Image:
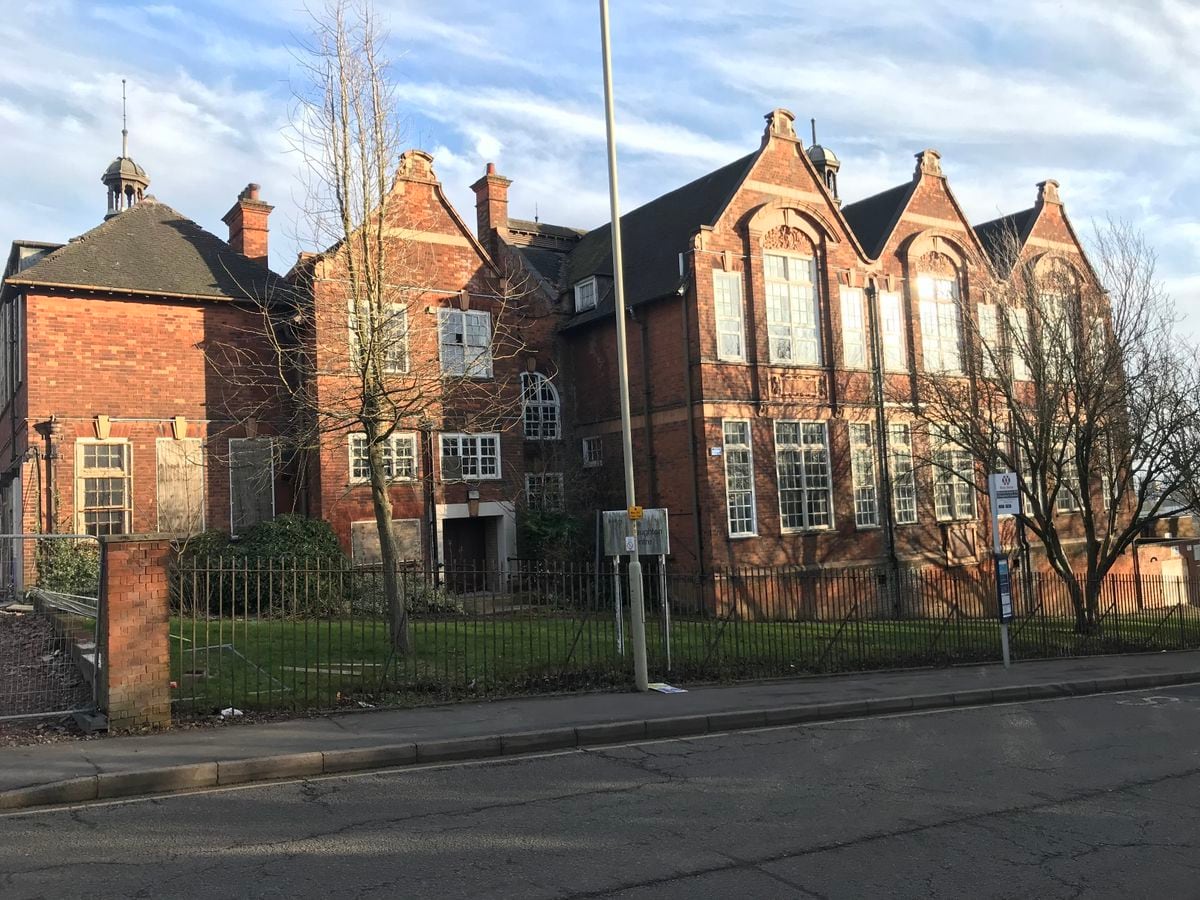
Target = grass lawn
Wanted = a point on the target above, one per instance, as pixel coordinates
(321, 663)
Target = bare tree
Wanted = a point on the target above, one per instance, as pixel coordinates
(345, 355)
(1076, 379)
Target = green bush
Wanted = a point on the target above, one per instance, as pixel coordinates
(69, 566)
(551, 536)
(243, 576)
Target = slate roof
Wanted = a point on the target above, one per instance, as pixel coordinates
(991, 234)
(653, 236)
(151, 249)
(874, 218)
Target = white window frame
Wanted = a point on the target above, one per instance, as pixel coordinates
(790, 301)
(891, 329)
(903, 473)
(854, 328)
(863, 476)
(587, 294)
(476, 442)
(593, 452)
(541, 408)
(749, 495)
(391, 454)
(535, 491)
(82, 474)
(810, 457)
(270, 442)
(477, 364)
(1017, 321)
(729, 315)
(950, 478)
(988, 322)
(1069, 497)
(396, 360)
(941, 324)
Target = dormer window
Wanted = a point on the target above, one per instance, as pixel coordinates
(585, 294)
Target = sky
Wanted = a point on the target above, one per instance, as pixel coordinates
(1103, 96)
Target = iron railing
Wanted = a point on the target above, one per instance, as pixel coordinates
(293, 633)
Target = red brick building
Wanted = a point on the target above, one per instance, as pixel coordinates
(757, 302)
(460, 456)
(115, 418)
(751, 293)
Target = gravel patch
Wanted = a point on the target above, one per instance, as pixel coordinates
(37, 674)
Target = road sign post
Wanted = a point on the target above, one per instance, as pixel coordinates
(1004, 495)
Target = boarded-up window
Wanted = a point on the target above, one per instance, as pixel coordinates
(180, 485)
(251, 482)
(364, 541)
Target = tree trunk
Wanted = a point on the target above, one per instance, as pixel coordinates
(382, 502)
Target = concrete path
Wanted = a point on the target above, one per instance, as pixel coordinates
(202, 757)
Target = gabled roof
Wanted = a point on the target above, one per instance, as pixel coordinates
(992, 234)
(874, 218)
(653, 236)
(150, 249)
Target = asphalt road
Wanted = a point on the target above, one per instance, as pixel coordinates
(1095, 797)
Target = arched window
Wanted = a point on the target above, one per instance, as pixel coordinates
(541, 407)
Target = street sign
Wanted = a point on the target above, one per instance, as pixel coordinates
(635, 513)
(1004, 589)
(1005, 494)
(653, 537)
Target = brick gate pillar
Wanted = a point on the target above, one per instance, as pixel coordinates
(135, 674)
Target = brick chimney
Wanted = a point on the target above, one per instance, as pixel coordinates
(491, 203)
(247, 221)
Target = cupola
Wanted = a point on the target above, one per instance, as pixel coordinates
(126, 180)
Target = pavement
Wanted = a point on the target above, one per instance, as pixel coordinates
(1091, 796)
(189, 759)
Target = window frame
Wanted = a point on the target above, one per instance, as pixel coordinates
(950, 477)
(391, 444)
(460, 438)
(199, 442)
(802, 447)
(400, 311)
(81, 475)
(892, 340)
(796, 332)
(469, 367)
(987, 321)
(861, 490)
(900, 452)
(584, 284)
(590, 460)
(270, 441)
(545, 477)
(936, 311)
(550, 416)
(752, 492)
(733, 281)
(847, 295)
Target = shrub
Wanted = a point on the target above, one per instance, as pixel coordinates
(69, 566)
(240, 577)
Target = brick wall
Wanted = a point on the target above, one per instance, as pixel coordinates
(134, 631)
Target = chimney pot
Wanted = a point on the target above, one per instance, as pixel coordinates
(491, 168)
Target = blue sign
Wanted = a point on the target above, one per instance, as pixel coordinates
(1004, 589)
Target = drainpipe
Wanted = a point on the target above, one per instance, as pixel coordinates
(693, 461)
(430, 554)
(50, 430)
(881, 440)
